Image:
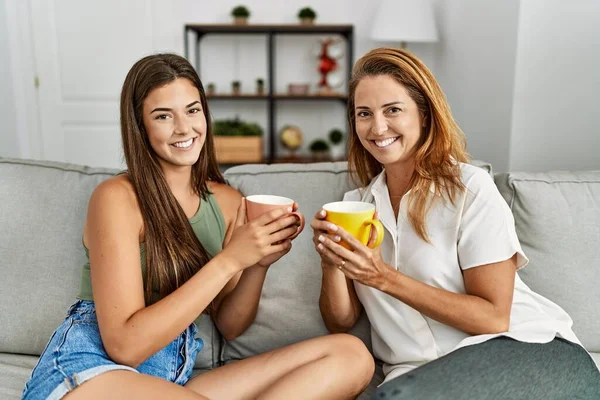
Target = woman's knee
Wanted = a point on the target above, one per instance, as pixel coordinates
(352, 353)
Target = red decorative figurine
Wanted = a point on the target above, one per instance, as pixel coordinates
(327, 64)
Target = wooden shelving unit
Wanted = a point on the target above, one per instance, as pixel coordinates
(287, 160)
(277, 96)
(271, 98)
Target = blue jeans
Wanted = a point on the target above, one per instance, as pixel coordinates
(75, 354)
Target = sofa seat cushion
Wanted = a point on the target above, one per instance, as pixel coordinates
(557, 218)
(15, 370)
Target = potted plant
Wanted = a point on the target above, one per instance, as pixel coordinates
(336, 137)
(210, 89)
(260, 86)
(319, 149)
(235, 87)
(307, 16)
(237, 141)
(240, 15)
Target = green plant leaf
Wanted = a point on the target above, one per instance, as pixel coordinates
(235, 127)
(318, 145)
(240, 11)
(307, 12)
(336, 136)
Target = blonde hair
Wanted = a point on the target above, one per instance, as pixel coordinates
(442, 144)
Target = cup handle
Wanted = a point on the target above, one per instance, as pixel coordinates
(376, 224)
(302, 222)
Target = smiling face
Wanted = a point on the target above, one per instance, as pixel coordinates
(388, 121)
(175, 123)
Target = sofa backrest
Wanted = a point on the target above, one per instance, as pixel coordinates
(557, 217)
(289, 309)
(43, 206)
(41, 220)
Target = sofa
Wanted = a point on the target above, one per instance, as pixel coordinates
(42, 212)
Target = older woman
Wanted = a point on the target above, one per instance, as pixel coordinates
(450, 317)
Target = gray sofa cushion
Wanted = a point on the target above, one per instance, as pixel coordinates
(289, 306)
(41, 221)
(557, 217)
(14, 371)
(289, 310)
(44, 205)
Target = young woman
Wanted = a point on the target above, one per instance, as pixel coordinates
(450, 317)
(167, 241)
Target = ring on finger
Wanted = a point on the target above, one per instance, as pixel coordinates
(341, 264)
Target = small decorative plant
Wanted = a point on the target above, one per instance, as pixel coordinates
(237, 141)
(240, 15)
(210, 89)
(236, 87)
(236, 127)
(319, 149)
(307, 16)
(336, 137)
(260, 86)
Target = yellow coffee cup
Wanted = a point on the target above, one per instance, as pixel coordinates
(356, 217)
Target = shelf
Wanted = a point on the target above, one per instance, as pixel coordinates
(237, 96)
(333, 96)
(283, 28)
(194, 33)
(279, 96)
(304, 159)
(301, 159)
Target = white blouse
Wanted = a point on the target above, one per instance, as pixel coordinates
(478, 229)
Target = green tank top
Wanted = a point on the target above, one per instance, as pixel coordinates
(208, 225)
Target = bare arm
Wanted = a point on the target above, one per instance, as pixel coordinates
(130, 331)
(338, 302)
(239, 305)
(484, 309)
(236, 306)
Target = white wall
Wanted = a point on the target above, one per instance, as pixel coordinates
(496, 61)
(475, 65)
(556, 98)
(9, 140)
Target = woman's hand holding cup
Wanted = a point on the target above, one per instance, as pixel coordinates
(258, 205)
(347, 232)
(322, 227)
(262, 240)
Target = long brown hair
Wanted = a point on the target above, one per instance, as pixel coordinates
(442, 144)
(173, 253)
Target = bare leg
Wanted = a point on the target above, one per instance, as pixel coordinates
(130, 385)
(328, 367)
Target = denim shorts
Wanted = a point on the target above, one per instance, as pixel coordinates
(75, 354)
